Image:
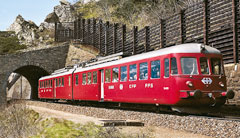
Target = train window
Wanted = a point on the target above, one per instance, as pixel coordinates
(94, 77)
(48, 83)
(107, 75)
(51, 83)
(115, 72)
(84, 78)
(69, 80)
(45, 84)
(216, 66)
(204, 65)
(76, 79)
(62, 81)
(59, 82)
(56, 83)
(174, 69)
(143, 71)
(123, 73)
(89, 75)
(189, 66)
(133, 72)
(155, 69)
(166, 67)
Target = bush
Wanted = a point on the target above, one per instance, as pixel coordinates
(18, 121)
(9, 43)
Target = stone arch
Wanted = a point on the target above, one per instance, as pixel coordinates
(32, 73)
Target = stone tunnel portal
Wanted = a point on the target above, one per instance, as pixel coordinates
(32, 74)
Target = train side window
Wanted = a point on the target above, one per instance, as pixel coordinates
(45, 84)
(51, 83)
(89, 75)
(133, 72)
(166, 67)
(62, 81)
(94, 77)
(189, 66)
(155, 69)
(59, 82)
(48, 83)
(174, 69)
(56, 83)
(107, 75)
(69, 80)
(84, 77)
(204, 65)
(123, 73)
(76, 79)
(115, 72)
(143, 71)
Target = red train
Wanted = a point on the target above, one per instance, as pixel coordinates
(182, 75)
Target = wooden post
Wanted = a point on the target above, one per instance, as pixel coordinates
(135, 30)
(88, 32)
(123, 37)
(56, 34)
(100, 34)
(235, 31)
(182, 31)
(205, 22)
(75, 30)
(106, 37)
(115, 37)
(83, 30)
(161, 34)
(94, 32)
(146, 45)
(78, 28)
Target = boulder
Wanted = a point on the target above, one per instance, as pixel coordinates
(26, 31)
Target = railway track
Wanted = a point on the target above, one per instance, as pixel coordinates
(221, 124)
(226, 112)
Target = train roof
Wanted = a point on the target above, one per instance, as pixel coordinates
(183, 48)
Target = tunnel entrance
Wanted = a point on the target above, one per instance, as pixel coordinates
(31, 74)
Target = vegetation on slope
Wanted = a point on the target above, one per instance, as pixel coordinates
(9, 43)
(131, 12)
(18, 121)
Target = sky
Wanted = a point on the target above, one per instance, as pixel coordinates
(35, 10)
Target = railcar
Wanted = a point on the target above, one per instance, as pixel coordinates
(182, 75)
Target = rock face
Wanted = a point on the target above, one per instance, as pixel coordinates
(65, 12)
(30, 34)
(25, 30)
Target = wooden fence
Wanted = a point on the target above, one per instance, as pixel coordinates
(212, 22)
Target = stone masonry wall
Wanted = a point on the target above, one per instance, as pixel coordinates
(232, 72)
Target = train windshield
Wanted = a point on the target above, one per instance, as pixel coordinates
(216, 66)
(204, 65)
(189, 66)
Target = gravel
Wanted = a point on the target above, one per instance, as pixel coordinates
(198, 125)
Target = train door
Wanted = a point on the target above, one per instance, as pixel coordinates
(102, 85)
(54, 88)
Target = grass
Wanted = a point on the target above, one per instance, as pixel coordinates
(18, 121)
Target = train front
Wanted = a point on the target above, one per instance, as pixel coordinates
(202, 81)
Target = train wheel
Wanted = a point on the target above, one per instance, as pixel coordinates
(219, 102)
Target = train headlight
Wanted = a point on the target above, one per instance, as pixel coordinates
(221, 84)
(189, 84)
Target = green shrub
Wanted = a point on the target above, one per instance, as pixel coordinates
(9, 43)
